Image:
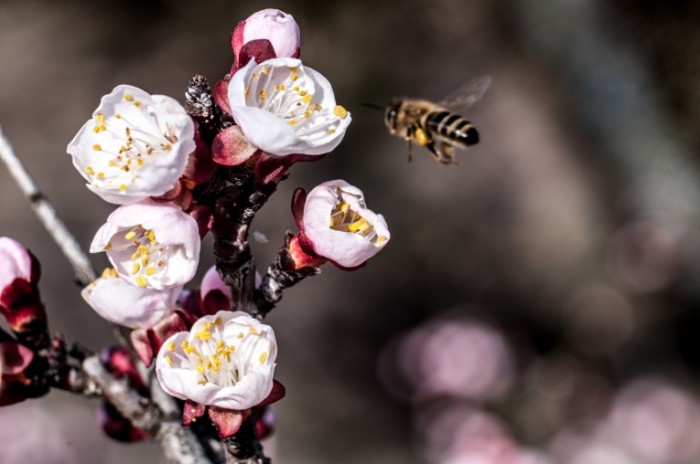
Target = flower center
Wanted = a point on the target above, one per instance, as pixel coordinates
(216, 361)
(289, 93)
(128, 140)
(148, 257)
(345, 219)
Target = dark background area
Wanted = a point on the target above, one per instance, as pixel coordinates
(540, 298)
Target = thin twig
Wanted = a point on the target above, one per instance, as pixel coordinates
(179, 444)
(47, 214)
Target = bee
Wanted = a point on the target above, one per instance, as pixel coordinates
(435, 125)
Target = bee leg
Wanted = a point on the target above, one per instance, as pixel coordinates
(448, 154)
(434, 151)
(409, 134)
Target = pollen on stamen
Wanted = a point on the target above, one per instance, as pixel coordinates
(141, 281)
(171, 346)
(169, 359)
(89, 171)
(263, 358)
(97, 147)
(340, 111)
(128, 97)
(130, 235)
(122, 187)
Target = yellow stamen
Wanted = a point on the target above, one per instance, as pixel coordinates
(141, 281)
(340, 111)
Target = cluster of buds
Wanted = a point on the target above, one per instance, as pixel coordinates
(177, 173)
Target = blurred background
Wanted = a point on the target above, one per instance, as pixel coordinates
(538, 302)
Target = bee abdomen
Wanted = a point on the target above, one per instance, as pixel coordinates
(452, 127)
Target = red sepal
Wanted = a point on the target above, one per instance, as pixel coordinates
(231, 148)
(227, 421)
(191, 412)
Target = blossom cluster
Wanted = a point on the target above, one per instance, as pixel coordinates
(152, 157)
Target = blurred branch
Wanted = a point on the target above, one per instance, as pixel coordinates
(47, 214)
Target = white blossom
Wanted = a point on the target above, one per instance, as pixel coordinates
(150, 244)
(226, 360)
(340, 227)
(135, 146)
(285, 108)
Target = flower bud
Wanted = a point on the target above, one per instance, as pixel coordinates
(20, 302)
(226, 360)
(116, 426)
(284, 108)
(135, 146)
(337, 225)
(15, 386)
(272, 25)
(150, 244)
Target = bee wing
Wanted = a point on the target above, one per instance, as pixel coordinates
(467, 94)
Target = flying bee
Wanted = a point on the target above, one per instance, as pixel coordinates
(435, 125)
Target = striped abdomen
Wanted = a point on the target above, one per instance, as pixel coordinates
(451, 128)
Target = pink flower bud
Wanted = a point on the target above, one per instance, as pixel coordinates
(272, 25)
(20, 302)
(14, 385)
(116, 426)
(337, 225)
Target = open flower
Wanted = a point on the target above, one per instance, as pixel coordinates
(226, 360)
(150, 244)
(338, 226)
(285, 108)
(135, 146)
(273, 25)
(125, 304)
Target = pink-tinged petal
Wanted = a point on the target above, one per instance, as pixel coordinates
(298, 202)
(212, 281)
(15, 262)
(231, 148)
(275, 26)
(119, 302)
(340, 227)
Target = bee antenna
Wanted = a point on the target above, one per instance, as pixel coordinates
(373, 106)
